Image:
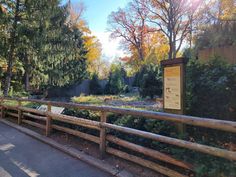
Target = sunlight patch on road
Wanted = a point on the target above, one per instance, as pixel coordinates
(6, 147)
(27, 170)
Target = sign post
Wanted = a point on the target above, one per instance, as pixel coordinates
(174, 87)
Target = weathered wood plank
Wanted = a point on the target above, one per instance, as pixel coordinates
(35, 111)
(42, 118)
(102, 145)
(77, 133)
(231, 155)
(48, 120)
(228, 126)
(9, 107)
(149, 152)
(19, 114)
(15, 115)
(1, 115)
(34, 124)
(145, 163)
(75, 120)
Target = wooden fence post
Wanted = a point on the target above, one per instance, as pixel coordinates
(19, 113)
(2, 109)
(102, 145)
(48, 121)
(1, 101)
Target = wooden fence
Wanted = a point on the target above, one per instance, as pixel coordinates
(45, 122)
(227, 53)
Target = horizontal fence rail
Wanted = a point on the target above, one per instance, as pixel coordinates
(228, 126)
(45, 120)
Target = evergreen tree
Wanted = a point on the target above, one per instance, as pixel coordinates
(94, 86)
(150, 81)
(12, 17)
(116, 80)
(38, 46)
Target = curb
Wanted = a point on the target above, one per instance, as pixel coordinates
(71, 151)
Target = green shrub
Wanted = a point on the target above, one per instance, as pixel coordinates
(116, 81)
(11, 91)
(211, 92)
(211, 89)
(94, 85)
(149, 80)
(190, 53)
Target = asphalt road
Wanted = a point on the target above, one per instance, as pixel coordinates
(23, 156)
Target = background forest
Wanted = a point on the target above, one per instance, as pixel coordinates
(48, 43)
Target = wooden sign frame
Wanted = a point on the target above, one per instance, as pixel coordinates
(181, 63)
(175, 63)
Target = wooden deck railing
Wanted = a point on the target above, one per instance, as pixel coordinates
(46, 118)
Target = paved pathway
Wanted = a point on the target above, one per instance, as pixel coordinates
(23, 156)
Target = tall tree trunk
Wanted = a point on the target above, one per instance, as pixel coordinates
(10, 56)
(170, 36)
(191, 34)
(170, 30)
(174, 46)
(140, 53)
(27, 80)
(171, 47)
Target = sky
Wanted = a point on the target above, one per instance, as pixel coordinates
(96, 15)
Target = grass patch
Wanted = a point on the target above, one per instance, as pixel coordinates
(95, 99)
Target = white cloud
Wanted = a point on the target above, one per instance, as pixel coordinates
(110, 47)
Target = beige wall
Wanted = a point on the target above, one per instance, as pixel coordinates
(227, 52)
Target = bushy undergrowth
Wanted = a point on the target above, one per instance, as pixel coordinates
(116, 81)
(94, 85)
(211, 93)
(149, 81)
(211, 89)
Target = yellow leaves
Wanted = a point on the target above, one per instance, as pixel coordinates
(81, 24)
(228, 9)
(3, 65)
(156, 47)
(94, 48)
(93, 56)
(91, 43)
